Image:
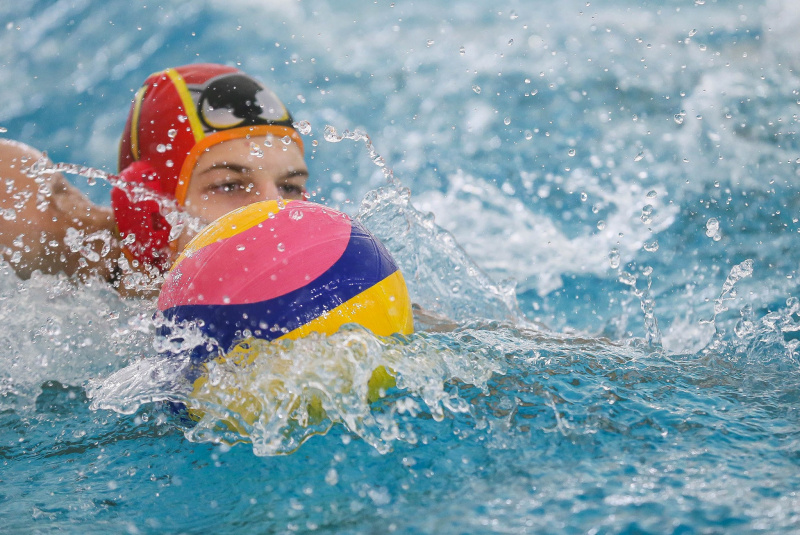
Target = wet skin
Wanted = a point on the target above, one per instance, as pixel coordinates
(38, 216)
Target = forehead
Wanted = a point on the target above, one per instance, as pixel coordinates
(257, 149)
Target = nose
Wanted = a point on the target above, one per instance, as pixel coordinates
(268, 190)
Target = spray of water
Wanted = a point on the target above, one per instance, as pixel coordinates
(331, 135)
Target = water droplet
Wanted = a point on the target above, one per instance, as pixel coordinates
(584, 196)
(613, 258)
(296, 215)
(571, 152)
(651, 247)
(513, 15)
(304, 127)
(172, 132)
(529, 136)
(331, 135)
(286, 140)
(462, 50)
(161, 148)
(507, 121)
(639, 157)
(3, 129)
(255, 150)
(601, 225)
(647, 212)
(652, 194)
(712, 227)
(182, 118)
(679, 117)
(477, 89)
(510, 42)
(281, 247)
(240, 247)
(170, 163)
(226, 300)
(430, 42)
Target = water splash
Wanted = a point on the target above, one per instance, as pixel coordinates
(90, 173)
(737, 273)
(78, 242)
(331, 135)
(717, 344)
(647, 304)
(440, 275)
(276, 395)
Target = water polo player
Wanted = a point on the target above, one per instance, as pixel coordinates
(206, 138)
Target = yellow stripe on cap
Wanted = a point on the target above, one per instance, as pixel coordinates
(188, 103)
(137, 108)
(390, 293)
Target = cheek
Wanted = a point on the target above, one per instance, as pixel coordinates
(198, 206)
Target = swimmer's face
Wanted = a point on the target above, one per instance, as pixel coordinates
(239, 172)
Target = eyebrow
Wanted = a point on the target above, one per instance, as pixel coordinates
(227, 166)
(295, 173)
(243, 169)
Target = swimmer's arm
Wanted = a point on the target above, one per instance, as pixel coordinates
(39, 221)
(427, 320)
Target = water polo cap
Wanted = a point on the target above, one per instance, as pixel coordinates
(180, 112)
(176, 115)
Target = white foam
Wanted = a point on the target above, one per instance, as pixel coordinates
(508, 239)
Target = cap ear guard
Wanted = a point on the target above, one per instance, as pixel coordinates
(139, 215)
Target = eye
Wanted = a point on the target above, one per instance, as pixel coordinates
(292, 190)
(228, 186)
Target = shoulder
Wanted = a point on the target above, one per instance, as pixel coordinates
(42, 215)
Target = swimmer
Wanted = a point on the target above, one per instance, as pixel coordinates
(206, 138)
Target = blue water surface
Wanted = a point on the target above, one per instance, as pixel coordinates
(602, 198)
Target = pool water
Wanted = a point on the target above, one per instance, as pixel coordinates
(600, 199)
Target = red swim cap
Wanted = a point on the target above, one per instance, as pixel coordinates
(180, 112)
(176, 115)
